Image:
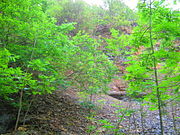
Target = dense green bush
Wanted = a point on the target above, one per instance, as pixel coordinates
(36, 54)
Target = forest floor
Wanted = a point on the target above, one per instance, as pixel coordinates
(64, 113)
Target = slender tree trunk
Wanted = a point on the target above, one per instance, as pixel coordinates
(173, 116)
(29, 106)
(19, 111)
(158, 93)
(142, 118)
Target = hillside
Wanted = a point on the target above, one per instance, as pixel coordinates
(67, 67)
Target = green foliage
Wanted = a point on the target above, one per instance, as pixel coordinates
(78, 11)
(92, 70)
(13, 80)
(88, 105)
(25, 28)
(37, 54)
(115, 45)
(88, 17)
(91, 128)
(105, 126)
(165, 23)
(118, 13)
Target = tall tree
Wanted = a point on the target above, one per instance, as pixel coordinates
(154, 69)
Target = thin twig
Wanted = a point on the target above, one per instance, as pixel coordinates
(24, 121)
(19, 111)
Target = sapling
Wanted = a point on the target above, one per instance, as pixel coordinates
(19, 111)
(173, 111)
(142, 118)
(154, 70)
(121, 113)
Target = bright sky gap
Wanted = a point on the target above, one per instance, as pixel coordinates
(133, 3)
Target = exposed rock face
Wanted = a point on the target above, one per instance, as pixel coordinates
(118, 85)
(103, 30)
(7, 116)
(127, 30)
(6, 122)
